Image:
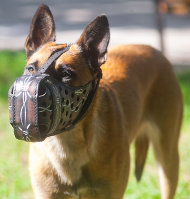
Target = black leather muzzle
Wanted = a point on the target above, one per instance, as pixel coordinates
(40, 106)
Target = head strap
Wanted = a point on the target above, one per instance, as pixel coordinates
(53, 57)
(43, 69)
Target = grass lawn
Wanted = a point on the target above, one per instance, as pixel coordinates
(14, 175)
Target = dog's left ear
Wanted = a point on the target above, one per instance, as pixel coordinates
(94, 41)
(42, 29)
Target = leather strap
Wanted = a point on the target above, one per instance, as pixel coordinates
(90, 99)
(52, 58)
(48, 63)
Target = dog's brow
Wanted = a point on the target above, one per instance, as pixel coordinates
(35, 63)
(65, 66)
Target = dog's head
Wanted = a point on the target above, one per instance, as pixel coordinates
(60, 80)
(81, 62)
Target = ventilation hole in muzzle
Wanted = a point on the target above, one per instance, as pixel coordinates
(72, 105)
(67, 113)
(78, 98)
(42, 90)
(84, 91)
(66, 92)
(77, 108)
(67, 102)
(51, 107)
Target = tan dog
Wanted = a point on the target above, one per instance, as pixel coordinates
(138, 99)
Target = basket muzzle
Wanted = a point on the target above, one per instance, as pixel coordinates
(41, 106)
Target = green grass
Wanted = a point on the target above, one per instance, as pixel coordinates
(184, 80)
(14, 178)
(11, 66)
(14, 174)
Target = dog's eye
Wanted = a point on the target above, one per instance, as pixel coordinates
(31, 68)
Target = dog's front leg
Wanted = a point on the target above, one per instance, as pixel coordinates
(45, 182)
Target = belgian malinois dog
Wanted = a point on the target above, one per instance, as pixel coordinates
(138, 99)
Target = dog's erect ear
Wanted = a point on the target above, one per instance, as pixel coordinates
(42, 30)
(94, 41)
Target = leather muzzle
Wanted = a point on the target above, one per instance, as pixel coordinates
(41, 106)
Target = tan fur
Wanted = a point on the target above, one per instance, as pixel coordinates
(138, 99)
(138, 95)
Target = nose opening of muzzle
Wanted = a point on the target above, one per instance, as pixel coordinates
(24, 99)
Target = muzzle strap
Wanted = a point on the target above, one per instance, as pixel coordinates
(53, 57)
(48, 63)
(90, 98)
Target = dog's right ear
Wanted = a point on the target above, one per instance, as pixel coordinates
(42, 30)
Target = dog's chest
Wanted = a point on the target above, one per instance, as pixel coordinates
(86, 188)
(67, 153)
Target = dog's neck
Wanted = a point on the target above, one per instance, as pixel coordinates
(69, 151)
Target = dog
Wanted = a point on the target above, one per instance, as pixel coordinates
(138, 100)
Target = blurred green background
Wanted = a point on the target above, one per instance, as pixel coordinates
(14, 174)
(131, 21)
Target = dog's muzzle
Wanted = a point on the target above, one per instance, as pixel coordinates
(40, 106)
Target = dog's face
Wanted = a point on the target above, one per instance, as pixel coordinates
(81, 62)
